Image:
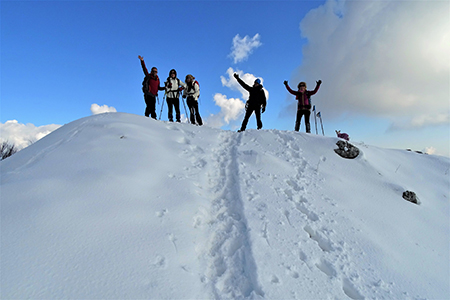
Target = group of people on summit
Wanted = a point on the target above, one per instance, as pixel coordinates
(256, 102)
(173, 86)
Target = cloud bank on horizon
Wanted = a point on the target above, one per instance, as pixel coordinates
(375, 65)
(23, 135)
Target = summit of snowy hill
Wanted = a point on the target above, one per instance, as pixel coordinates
(119, 206)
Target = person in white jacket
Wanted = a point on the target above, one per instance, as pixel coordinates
(191, 93)
(173, 88)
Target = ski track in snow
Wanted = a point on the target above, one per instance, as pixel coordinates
(231, 271)
(231, 266)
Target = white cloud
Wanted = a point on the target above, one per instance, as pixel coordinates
(421, 120)
(243, 47)
(97, 109)
(22, 135)
(230, 110)
(380, 58)
(429, 150)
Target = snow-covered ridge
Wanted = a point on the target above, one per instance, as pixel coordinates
(122, 206)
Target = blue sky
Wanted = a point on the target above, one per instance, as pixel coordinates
(384, 65)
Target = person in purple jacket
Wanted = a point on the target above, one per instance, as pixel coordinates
(304, 103)
(150, 87)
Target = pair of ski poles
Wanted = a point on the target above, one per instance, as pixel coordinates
(164, 100)
(320, 118)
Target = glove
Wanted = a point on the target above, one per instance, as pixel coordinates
(285, 82)
(319, 82)
(236, 75)
(184, 96)
(180, 89)
(263, 109)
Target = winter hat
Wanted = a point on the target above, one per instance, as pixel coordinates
(301, 83)
(191, 77)
(258, 81)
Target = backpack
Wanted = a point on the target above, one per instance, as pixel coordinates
(145, 84)
(193, 84)
(196, 82)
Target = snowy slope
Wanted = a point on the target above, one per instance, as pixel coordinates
(117, 206)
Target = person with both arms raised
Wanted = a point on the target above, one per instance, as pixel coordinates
(256, 102)
(303, 97)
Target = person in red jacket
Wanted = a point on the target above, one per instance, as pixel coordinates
(304, 103)
(151, 86)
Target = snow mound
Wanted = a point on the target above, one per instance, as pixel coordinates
(117, 206)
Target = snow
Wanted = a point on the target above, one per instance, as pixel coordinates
(119, 206)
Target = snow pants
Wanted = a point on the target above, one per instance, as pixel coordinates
(248, 113)
(150, 101)
(171, 103)
(193, 109)
(300, 114)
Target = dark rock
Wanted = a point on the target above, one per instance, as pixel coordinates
(411, 197)
(346, 150)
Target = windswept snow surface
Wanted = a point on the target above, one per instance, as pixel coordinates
(117, 206)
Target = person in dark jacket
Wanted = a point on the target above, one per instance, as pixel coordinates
(151, 92)
(304, 103)
(173, 88)
(256, 102)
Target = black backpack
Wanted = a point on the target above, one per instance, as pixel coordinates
(145, 84)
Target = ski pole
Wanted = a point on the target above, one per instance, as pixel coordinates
(321, 124)
(162, 105)
(185, 111)
(315, 118)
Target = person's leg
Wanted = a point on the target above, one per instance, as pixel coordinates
(170, 109)
(197, 115)
(298, 119)
(176, 103)
(248, 113)
(152, 106)
(308, 125)
(258, 118)
(190, 103)
(148, 105)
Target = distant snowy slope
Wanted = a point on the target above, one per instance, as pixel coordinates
(117, 206)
